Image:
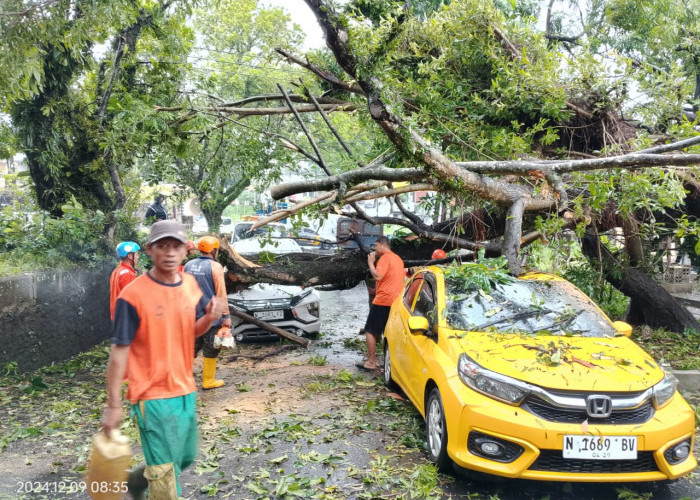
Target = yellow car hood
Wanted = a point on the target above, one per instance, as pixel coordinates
(567, 363)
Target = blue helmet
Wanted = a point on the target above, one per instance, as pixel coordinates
(126, 247)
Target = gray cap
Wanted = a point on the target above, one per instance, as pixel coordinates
(167, 229)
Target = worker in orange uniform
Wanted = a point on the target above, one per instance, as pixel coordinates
(438, 253)
(191, 250)
(124, 273)
(210, 277)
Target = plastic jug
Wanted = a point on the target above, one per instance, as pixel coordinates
(107, 466)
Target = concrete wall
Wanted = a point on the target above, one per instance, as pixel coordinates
(49, 317)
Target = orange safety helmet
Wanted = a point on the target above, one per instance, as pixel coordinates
(438, 254)
(190, 245)
(207, 244)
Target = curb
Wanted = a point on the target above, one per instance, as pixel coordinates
(688, 380)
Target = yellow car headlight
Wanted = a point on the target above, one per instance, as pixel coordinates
(664, 391)
(492, 384)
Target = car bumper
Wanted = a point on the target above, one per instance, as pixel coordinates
(249, 331)
(542, 441)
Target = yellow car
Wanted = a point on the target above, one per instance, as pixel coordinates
(529, 379)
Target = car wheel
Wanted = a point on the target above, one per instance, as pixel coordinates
(436, 430)
(388, 381)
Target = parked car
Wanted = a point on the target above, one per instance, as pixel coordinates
(307, 237)
(272, 238)
(531, 380)
(259, 244)
(201, 227)
(242, 231)
(288, 307)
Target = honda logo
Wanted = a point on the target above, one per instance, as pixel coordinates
(598, 406)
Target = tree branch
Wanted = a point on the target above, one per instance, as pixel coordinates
(352, 87)
(353, 177)
(332, 128)
(320, 161)
(632, 160)
(511, 240)
(389, 192)
(233, 110)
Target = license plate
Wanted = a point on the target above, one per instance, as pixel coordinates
(268, 315)
(600, 447)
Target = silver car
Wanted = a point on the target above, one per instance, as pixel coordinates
(291, 308)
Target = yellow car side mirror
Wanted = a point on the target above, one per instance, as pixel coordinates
(622, 328)
(418, 325)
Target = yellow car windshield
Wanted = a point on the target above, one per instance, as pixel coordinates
(527, 306)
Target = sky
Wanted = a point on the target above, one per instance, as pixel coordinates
(301, 15)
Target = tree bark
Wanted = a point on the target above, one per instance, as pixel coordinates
(650, 303)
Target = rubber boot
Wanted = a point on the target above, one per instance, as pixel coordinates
(208, 372)
(137, 483)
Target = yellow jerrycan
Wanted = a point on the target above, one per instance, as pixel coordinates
(107, 466)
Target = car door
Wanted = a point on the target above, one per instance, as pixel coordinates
(397, 332)
(419, 348)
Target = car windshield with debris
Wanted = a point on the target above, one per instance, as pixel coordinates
(526, 306)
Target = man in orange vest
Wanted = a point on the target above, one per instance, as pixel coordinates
(125, 272)
(388, 274)
(156, 320)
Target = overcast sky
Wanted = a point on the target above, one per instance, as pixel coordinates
(301, 15)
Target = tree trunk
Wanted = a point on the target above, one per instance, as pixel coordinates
(650, 304)
(340, 271)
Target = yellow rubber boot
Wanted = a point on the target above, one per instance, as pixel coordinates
(208, 372)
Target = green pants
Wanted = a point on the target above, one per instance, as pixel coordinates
(168, 430)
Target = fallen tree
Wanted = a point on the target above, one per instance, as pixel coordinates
(474, 110)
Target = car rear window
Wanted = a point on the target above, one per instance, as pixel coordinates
(529, 306)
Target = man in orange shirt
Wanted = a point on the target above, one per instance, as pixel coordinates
(125, 272)
(156, 320)
(389, 275)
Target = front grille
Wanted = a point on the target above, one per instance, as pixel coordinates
(258, 305)
(547, 411)
(552, 461)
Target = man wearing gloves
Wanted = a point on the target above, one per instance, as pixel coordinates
(210, 277)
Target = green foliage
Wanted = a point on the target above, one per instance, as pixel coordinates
(471, 97)
(236, 60)
(317, 360)
(649, 190)
(562, 256)
(678, 350)
(31, 239)
(613, 302)
(53, 407)
(482, 274)
(8, 141)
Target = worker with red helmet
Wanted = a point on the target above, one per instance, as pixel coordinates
(438, 253)
(210, 276)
